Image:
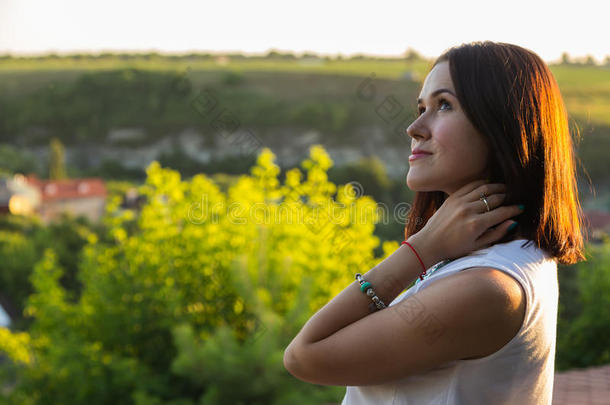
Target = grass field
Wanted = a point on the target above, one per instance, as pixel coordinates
(586, 89)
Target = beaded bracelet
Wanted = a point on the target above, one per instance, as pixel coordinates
(367, 288)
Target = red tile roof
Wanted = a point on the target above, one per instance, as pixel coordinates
(68, 189)
(590, 386)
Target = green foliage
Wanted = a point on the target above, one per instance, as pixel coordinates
(194, 300)
(18, 255)
(369, 172)
(582, 337)
(179, 160)
(231, 78)
(412, 55)
(57, 167)
(83, 107)
(13, 160)
(112, 169)
(324, 115)
(372, 178)
(22, 243)
(52, 97)
(89, 107)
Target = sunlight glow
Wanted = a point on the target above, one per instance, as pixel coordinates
(325, 27)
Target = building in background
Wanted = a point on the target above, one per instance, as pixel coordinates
(50, 199)
(77, 197)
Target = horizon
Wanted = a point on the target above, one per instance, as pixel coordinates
(217, 53)
(384, 30)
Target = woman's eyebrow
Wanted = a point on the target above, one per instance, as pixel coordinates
(437, 92)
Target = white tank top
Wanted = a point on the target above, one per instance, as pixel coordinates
(521, 372)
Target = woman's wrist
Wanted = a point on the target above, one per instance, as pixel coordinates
(426, 251)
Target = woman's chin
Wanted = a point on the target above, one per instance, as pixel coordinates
(419, 186)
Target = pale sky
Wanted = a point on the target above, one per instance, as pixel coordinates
(326, 27)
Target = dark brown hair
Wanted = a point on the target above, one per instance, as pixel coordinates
(510, 95)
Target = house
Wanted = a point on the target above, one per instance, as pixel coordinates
(77, 197)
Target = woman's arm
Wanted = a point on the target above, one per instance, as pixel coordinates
(466, 315)
(329, 346)
(388, 279)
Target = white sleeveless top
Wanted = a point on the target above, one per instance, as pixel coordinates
(521, 372)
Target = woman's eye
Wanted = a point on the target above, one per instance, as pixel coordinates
(441, 101)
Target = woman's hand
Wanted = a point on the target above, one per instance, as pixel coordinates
(462, 224)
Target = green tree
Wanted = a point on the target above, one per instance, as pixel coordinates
(22, 243)
(590, 60)
(412, 55)
(13, 160)
(584, 319)
(57, 166)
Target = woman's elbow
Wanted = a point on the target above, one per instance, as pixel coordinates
(291, 363)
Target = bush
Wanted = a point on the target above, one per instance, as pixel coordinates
(194, 300)
(582, 331)
(13, 160)
(232, 78)
(22, 243)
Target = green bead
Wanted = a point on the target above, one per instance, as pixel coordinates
(364, 286)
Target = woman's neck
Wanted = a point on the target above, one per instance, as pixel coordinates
(516, 236)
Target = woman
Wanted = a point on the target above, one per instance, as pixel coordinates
(478, 326)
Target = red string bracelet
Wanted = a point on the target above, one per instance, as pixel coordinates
(421, 276)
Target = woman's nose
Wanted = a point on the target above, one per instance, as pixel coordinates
(416, 130)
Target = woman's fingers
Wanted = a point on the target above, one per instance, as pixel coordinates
(494, 234)
(486, 189)
(468, 188)
(460, 225)
(494, 195)
(498, 215)
(494, 201)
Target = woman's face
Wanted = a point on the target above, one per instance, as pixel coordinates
(459, 153)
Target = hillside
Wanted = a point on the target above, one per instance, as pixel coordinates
(128, 109)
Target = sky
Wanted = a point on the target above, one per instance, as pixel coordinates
(383, 28)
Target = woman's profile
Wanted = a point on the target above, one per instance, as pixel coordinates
(496, 208)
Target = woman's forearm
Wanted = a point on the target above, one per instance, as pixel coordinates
(388, 279)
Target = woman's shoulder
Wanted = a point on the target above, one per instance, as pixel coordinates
(513, 257)
(517, 249)
(518, 258)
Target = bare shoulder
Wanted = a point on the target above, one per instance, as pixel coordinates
(502, 302)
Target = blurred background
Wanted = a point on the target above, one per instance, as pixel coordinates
(183, 185)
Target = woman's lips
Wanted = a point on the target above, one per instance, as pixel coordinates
(418, 156)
